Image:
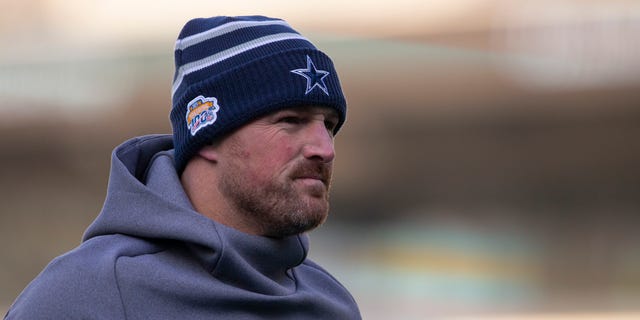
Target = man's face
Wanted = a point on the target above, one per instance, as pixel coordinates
(276, 170)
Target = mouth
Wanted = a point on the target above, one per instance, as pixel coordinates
(315, 181)
(316, 188)
(312, 175)
(312, 181)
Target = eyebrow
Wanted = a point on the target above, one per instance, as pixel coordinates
(328, 112)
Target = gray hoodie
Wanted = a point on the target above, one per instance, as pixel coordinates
(149, 255)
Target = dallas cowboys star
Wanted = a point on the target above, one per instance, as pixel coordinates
(315, 77)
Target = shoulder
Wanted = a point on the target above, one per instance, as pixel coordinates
(313, 273)
(81, 283)
(319, 271)
(327, 290)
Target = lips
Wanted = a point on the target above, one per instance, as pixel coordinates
(312, 177)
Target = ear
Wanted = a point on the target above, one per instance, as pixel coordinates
(209, 152)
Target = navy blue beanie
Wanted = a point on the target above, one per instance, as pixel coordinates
(231, 70)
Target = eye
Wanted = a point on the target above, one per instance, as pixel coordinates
(290, 119)
(331, 125)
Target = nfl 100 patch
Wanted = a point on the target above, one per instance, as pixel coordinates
(201, 112)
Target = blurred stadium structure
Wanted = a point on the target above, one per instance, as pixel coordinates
(488, 170)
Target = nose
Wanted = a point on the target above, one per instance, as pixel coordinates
(319, 143)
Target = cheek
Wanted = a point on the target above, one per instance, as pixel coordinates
(265, 157)
(268, 164)
(271, 161)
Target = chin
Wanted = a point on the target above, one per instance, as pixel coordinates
(296, 223)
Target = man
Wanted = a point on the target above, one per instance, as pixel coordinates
(209, 223)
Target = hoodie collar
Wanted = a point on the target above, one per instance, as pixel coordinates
(146, 200)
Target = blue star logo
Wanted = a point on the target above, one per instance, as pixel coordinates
(315, 77)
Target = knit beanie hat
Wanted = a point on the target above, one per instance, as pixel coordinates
(231, 70)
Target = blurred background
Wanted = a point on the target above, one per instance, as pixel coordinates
(488, 168)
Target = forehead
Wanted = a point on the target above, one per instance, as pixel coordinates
(328, 113)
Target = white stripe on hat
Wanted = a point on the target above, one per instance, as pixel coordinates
(193, 39)
(194, 66)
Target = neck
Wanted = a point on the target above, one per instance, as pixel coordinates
(199, 180)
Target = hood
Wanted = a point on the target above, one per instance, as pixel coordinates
(136, 208)
(145, 199)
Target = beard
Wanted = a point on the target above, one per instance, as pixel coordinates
(279, 208)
